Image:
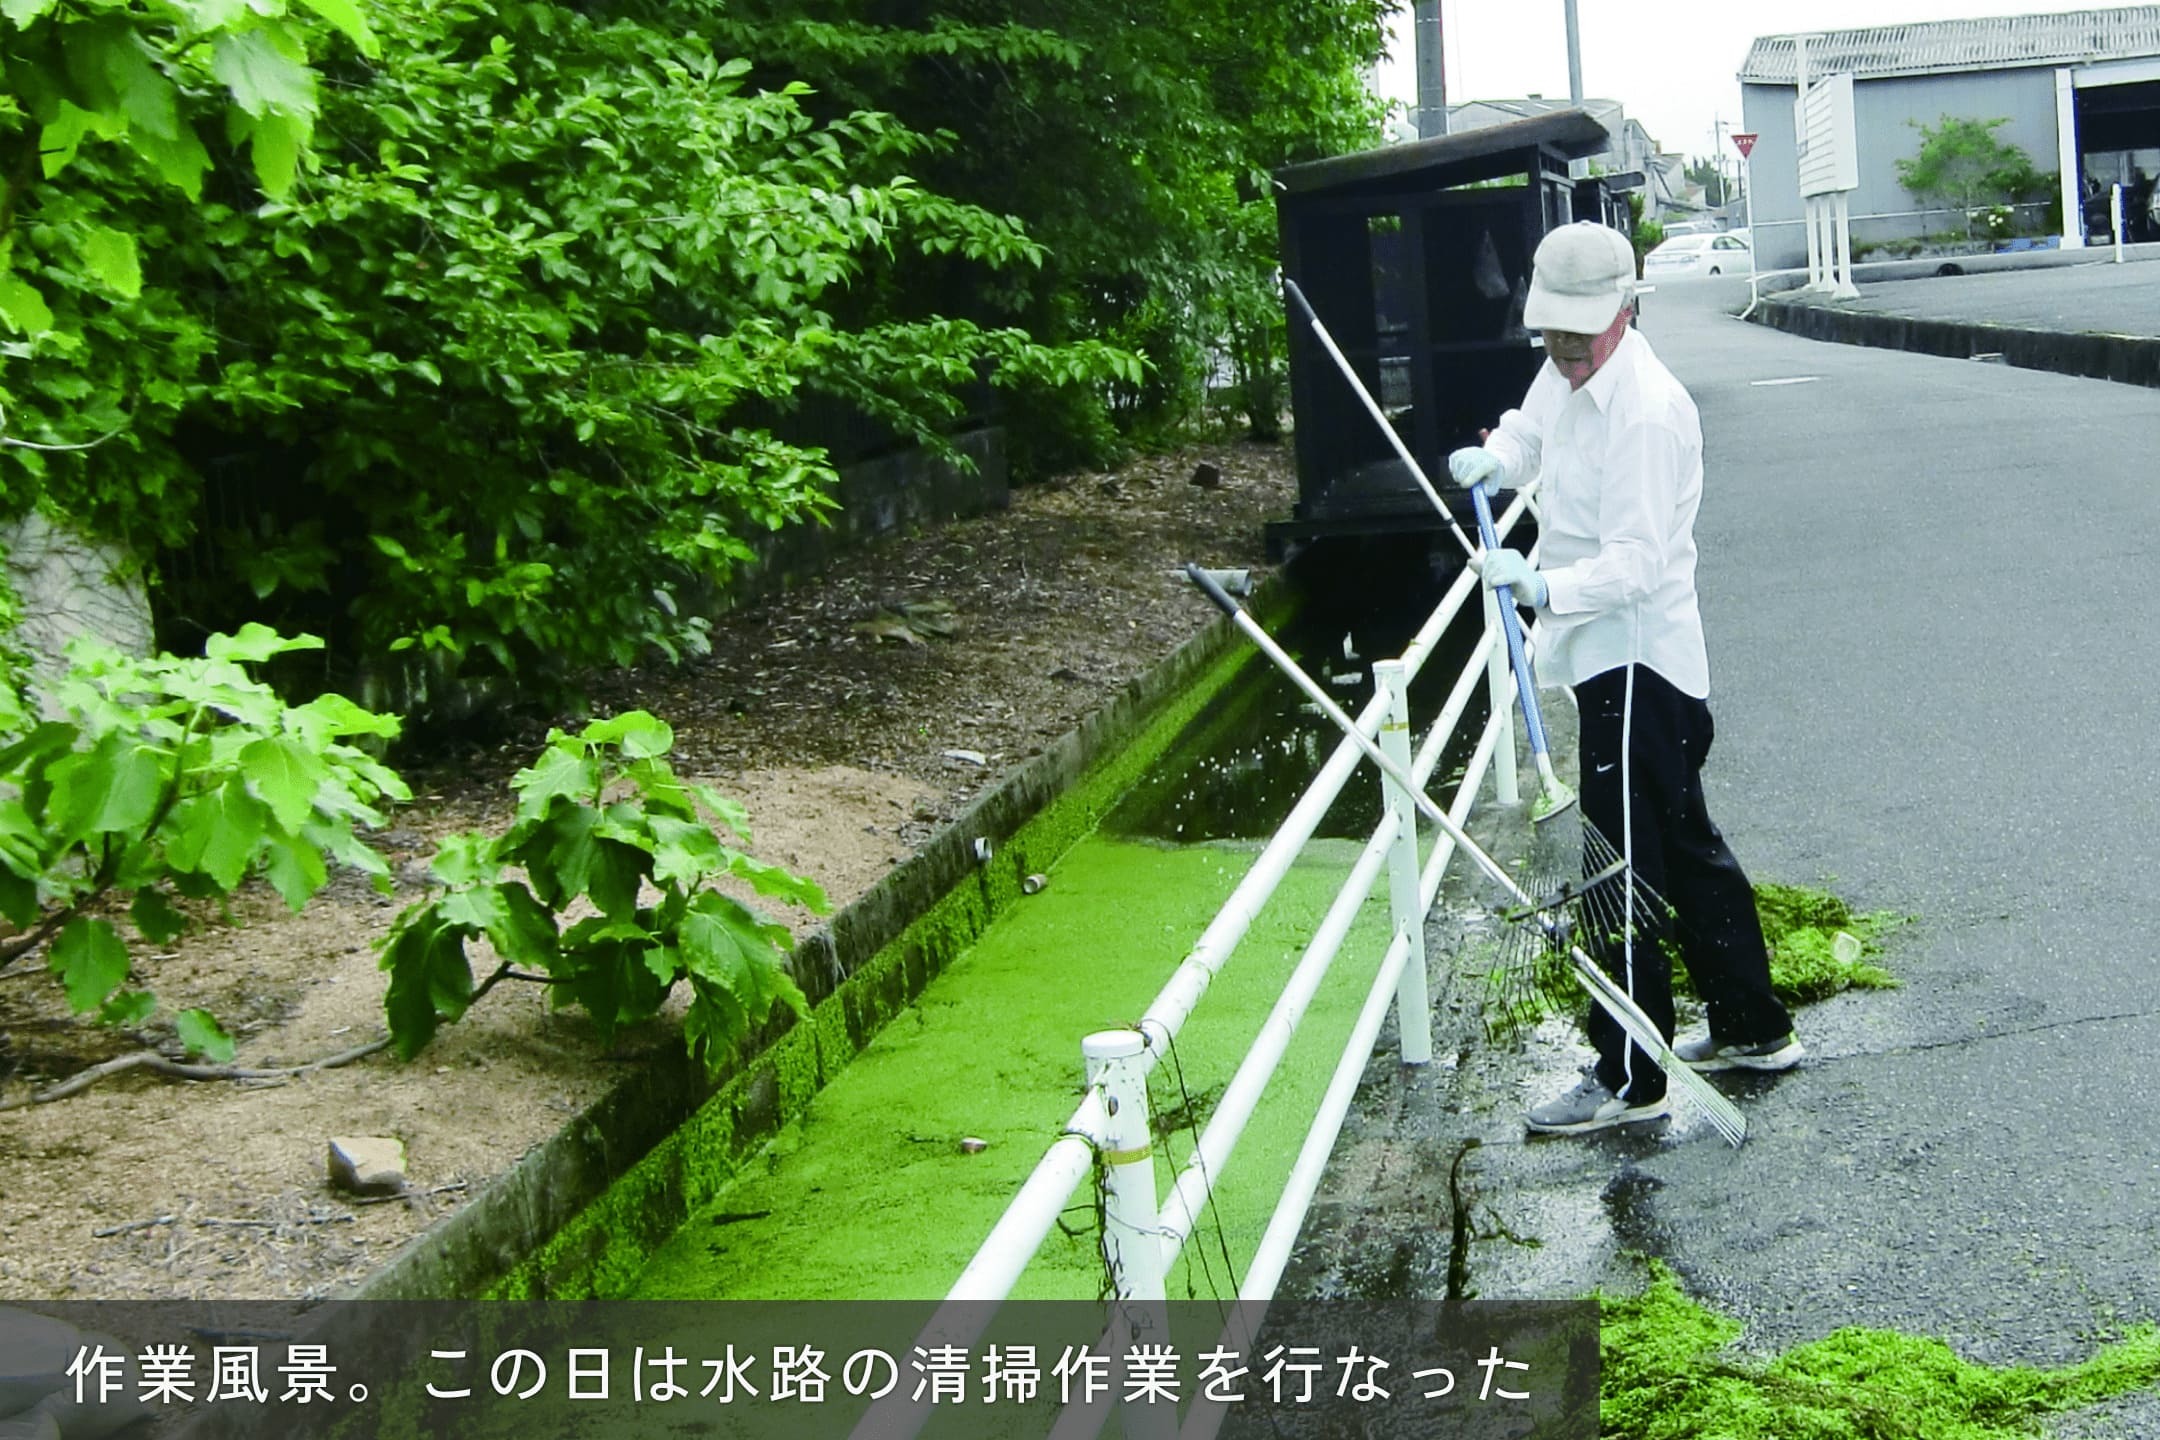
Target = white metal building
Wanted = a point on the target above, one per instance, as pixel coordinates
(2080, 92)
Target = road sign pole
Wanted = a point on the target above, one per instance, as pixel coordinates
(1744, 142)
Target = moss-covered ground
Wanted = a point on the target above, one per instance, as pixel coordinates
(871, 1195)
(1670, 1374)
(1801, 926)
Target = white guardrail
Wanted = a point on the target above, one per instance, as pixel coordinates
(1143, 1233)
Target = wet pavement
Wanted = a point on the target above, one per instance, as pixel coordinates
(1923, 583)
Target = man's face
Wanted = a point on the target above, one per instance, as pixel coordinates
(1578, 357)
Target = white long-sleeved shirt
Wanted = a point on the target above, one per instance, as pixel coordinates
(1621, 465)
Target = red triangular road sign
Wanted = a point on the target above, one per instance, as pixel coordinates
(1745, 141)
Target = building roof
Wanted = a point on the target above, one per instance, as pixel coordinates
(1531, 107)
(2002, 43)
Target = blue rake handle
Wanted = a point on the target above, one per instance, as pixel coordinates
(1557, 796)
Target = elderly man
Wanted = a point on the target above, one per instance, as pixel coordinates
(1614, 441)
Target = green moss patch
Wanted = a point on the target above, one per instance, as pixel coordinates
(1670, 1374)
(871, 1195)
(1801, 926)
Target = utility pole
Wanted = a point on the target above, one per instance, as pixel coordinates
(1431, 75)
(1574, 57)
(1718, 127)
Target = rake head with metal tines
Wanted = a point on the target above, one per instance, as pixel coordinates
(1588, 904)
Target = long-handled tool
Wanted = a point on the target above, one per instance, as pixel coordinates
(1602, 989)
(1573, 869)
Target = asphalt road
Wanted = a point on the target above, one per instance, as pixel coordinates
(1920, 581)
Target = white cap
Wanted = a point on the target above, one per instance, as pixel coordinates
(1583, 274)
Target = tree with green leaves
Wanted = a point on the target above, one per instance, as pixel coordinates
(505, 382)
(168, 780)
(1704, 171)
(139, 80)
(1962, 165)
(1136, 141)
(604, 891)
(505, 376)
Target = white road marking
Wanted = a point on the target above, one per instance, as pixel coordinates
(1789, 380)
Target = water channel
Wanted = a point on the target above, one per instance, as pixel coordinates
(881, 1189)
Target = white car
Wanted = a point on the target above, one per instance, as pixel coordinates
(1684, 256)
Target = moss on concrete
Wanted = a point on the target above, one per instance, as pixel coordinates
(870, 1195)
(600, 1250)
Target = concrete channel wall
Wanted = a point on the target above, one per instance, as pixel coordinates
(577, 1217)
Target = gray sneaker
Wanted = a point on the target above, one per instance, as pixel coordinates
(1590, 1106)
(1700, 1052)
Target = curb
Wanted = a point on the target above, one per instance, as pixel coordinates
(2125, 359)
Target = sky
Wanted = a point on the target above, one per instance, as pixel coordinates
(1671, 63)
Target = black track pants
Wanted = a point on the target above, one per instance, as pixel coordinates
(1678, 853)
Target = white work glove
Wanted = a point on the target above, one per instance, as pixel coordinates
(1475, 465)
(1505, 567)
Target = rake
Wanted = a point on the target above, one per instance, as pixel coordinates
(1554, 932)
(1577, 876)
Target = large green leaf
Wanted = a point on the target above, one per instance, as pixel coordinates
(558, 771)
(155, 917)
(780, 884)
(723, 943)
(346, 16)
(524, 930)
(54, 737)
(465, 859)
(566, 857)
(640, 734)
(286, 775)
(295, 868)
(23, 308)
(110, 256)
(332, 715)
(262, 73)
(216, 834)
(179, 161)
(430, 979)
(275, 142)
(111, 62)
(255, 642)
(684, 851)
(335, 838)
(90, 960)
(202, 1035)
(19, 900)
(729, 811)
(113, 786)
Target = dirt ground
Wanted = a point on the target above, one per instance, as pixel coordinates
(850, 736)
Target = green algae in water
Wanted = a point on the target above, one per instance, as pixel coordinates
(1668, 1375)
(869, 1196)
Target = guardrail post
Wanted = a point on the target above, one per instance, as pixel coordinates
(1506, 788)
(1132, 1223)
(1413, 1011)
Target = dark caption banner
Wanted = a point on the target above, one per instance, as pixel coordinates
(778, 1370)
